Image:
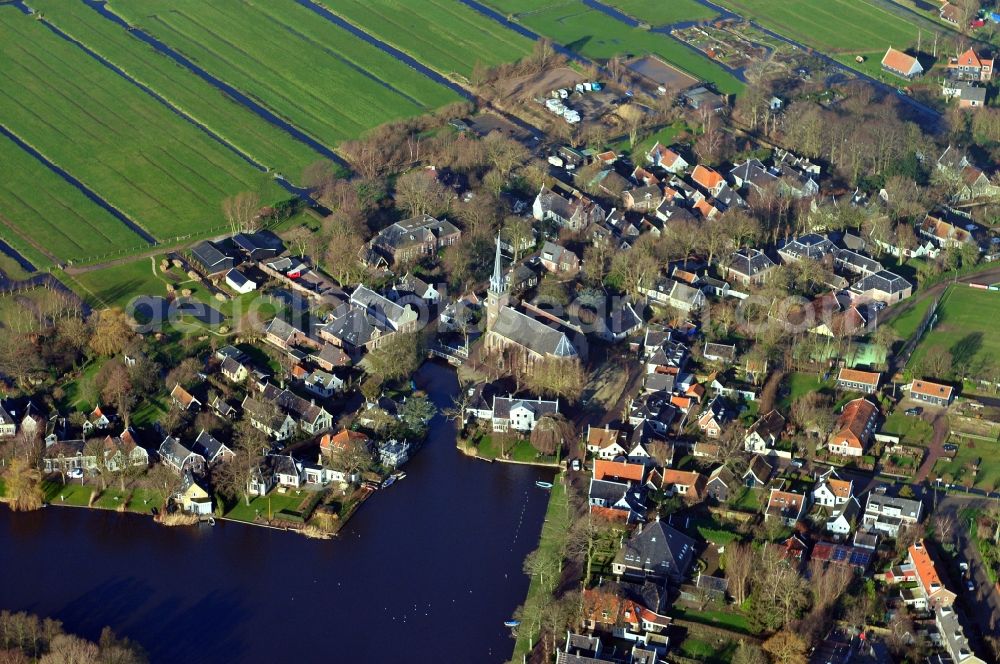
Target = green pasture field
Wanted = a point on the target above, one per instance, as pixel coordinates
(115, 286)
(663, 13)
(965, 328)
(226, 117)
(831, 26)
(165, 173)
(596, 35)
(41, 212)
(445, 35)
(907, 322)
(317, 76)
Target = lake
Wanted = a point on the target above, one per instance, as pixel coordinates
(426, 570)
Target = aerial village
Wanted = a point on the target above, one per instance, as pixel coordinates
(739, 346)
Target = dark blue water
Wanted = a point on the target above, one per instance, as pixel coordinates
(100, 6)
(86, 191)
(382, 46)
(13, 253)
(426, 571)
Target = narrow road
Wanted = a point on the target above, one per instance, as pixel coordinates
(935, 450)
(983, 603)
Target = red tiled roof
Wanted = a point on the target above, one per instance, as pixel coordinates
(855, 376)
(340, 439)
(618, 469)
(930, 389)
(706, 177)
(899, 61)
(852, 423)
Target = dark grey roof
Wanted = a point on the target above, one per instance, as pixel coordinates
(884, 281)
(532, 334)
(859, 261)
(293, 404)
(174, 452)
(210, 257)
(353, 326)
(237, 278)
(415, 230)
(760, 469)
(658, 382)
(724, 351)
(661, 549)
(812, 245)
(231, 365)
(208, 446)
(750, 262)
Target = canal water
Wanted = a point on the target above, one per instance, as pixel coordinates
(426, 571)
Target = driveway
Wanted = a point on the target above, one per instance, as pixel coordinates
(935, 449)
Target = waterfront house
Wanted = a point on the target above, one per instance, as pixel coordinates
(394, 453)
(66, 455)
(656, 551)
(122, 450)
(287, 471)
(521, 414)
(193, 498)
(179, 458)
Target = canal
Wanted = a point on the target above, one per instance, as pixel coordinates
(427, 570)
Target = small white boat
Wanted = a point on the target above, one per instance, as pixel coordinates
(543, 485)
(211, 520)
(401, 475)
(511, 623)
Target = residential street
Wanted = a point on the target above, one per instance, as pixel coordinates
(984, 604)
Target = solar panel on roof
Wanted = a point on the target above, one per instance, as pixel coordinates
(860, 558)
(839, 554)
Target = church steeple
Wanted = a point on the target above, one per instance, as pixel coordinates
(496, 296)
(498, 283)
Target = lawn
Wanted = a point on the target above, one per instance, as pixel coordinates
(116, 286)
(833, 26)
(445, 35)
(266, 143)
(593, 34)
(750, 500)
(555, 516)
(724, 619)
(162, 171)
(798, 385)
(80, 392)
(111, 499)
(45, 217)
(314, 74)
(663, 13)
(964, 329)
(907, 322)
(911, 430)
(68, 494)
(521, 451)
(145, 500)
(272, 503)
(959, 469)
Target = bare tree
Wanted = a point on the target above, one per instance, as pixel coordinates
(242, 211)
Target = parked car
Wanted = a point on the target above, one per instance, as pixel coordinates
(798, 463)
(950, 448)
(970, 585)
(75, 474)
(913, 412)
(964, 566)
(575, 464)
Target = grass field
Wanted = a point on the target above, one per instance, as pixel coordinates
(596, 35)
(46, 216)
(316, 75)
(162, 171)
(960, 469)
(964, 328)
(798, 385)
(254, 136)
(273, 503)
(445, 35)
(832, 26)
(117, 285)
(67, 494)
(663, 13)
(911, 430)
(906, 323)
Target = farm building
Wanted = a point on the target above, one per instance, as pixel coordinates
(901, 64)
(240, 282)
(210, 258)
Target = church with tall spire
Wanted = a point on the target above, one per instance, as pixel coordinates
(496, 296)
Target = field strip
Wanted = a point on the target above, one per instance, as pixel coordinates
(406, 59)
(254, 105)
(155, 95)
(121, 216)
(12, 228)
(364, 72)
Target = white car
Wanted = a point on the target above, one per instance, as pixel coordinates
(75, 474)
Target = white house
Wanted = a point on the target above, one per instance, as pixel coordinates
(240, 282)
(843, 520)
(520, 414)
